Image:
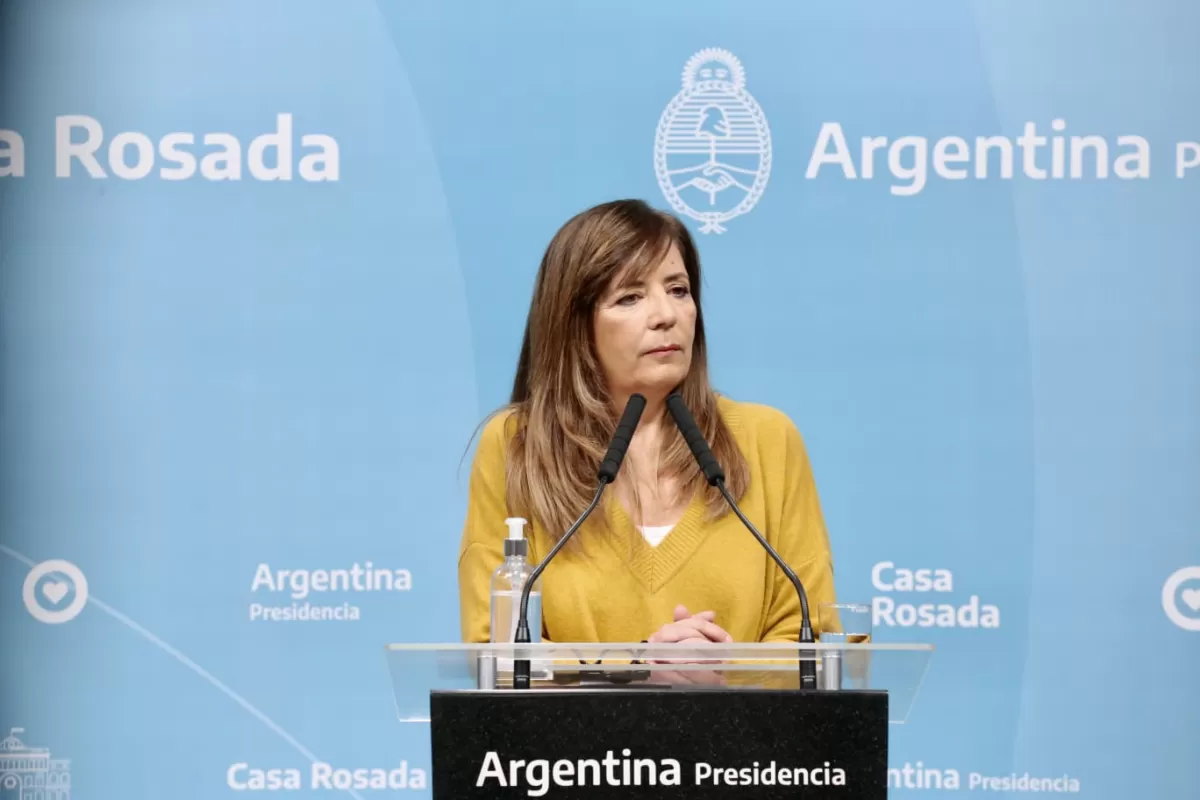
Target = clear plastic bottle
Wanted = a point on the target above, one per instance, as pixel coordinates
(508, 581)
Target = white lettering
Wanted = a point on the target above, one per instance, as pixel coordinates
(769, 775)
(541, 775)
(298, 583)
(877, 576)
(1097, 144)
(922, 777)
(973, 614)
(131, 155)
(1187, 156)
(1135, 164)
(1029, 142)
(168, 149)
(869, 145)
(491, 769)
(281, 142)
(261, 780)
(1022, 783)
(302, 582)
(231, 779)
(12, 155)
(984, 145)
(915, 173)
(941, 158)
(262, 577)
(224, 164)
(831, 132)
(1053, 157)
(908, 580)
(145, 155)
(1057, 143)
(326, 776)
(537, 776)
(85, 151)
(322, 165)
(305, 612)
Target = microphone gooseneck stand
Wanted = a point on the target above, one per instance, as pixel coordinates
(715, 476)
(606, 474)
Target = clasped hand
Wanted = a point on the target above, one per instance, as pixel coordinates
(688, 628)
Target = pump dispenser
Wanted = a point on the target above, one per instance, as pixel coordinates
(515, 544)
(508, 581)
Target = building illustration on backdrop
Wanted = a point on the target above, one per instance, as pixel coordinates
(29, 773)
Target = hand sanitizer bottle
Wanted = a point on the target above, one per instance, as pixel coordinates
(508, 581)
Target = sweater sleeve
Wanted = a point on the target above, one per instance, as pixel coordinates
(482, 548)
(803, 542)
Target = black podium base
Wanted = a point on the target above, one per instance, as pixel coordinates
(676, 743)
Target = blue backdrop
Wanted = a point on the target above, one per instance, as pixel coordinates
(957, 242)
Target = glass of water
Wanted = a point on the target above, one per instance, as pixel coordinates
(844, 623)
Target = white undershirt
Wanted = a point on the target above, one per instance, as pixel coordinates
(656, 533)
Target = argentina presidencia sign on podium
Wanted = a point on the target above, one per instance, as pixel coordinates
(658, 720)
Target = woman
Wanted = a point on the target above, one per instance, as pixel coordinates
(616, 311)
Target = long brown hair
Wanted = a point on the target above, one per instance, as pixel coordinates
(563, 409)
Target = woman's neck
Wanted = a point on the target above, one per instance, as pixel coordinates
(649, 496)
(647, 439)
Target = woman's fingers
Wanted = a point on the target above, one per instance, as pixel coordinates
(690, 627)
(712, 630)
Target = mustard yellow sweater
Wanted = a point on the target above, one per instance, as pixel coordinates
(615, 587)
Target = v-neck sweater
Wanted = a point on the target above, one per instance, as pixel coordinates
(608, 584)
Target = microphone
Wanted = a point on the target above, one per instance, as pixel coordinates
(607, 473)
(716, 477)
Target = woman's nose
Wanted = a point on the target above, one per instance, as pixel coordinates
(662, 312)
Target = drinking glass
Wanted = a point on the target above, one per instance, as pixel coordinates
(844, 623)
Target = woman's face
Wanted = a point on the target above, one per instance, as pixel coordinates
(644, 331)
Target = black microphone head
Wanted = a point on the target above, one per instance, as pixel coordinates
(628, 423)
(695, 439)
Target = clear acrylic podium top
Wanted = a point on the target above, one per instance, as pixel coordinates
(417, 669)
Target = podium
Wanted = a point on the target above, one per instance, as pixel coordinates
(636, 720)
